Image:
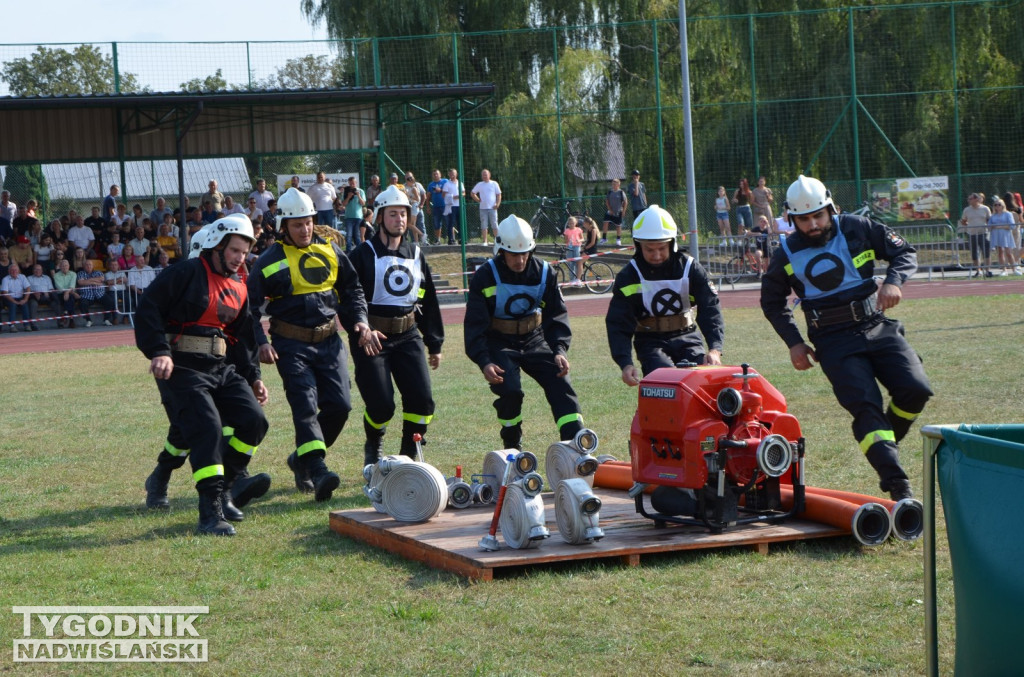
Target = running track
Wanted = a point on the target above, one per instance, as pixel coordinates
(60, 340)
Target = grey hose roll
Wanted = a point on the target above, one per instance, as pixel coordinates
(414, 492)
(522, 519)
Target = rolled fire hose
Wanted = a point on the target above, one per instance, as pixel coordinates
(494, 470)
(577, 512)
(907, 515)
(869, 523)
(563, 462)
(374, 475)
(414, 492)
(522, 515)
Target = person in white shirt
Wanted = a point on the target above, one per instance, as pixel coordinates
(41, 287)
(782, 225)
(231, 207)
(417, 198)
(14, 290)
(261, 195)
(323, 194)
(488, 194)
(453, 191)
(139, 277)
(81, 235)
(140, 244)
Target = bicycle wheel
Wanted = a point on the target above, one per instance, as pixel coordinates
(598, 277)
(734, 269)
(560, 273)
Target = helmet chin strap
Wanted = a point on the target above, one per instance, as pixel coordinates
(391, 238)
(218, 262)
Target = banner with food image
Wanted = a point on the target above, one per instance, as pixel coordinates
(924, 198)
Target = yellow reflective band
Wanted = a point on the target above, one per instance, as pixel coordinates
(173, 450)
(901, 413)
(488, 292)
(312, 445)
(417, 418)
(863, 258)
(876, 436)
(789, 269)
(420, 292)
(569, 418)
(274, 267)
(227, 431)
(631, 289)
(240, 446)
(373, 424)
(509, 422)
(208, 471)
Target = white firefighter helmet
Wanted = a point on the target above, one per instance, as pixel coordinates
(392, 197)
(514, 235)
(655, 225)
(294, 204)
(195, 245)
(807, 195)
(221, 229)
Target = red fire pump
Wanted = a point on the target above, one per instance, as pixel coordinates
(715, 445)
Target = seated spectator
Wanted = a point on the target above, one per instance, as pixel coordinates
(366, 227)
(78, 259)
(5, 260)
(66, 283)
(127, 259)
(115, 248)
(15, 292)
(172, 227)
(231, 207)
(97, 225)
(137, 219)
(81, 235)
(270, 216)
(91, 287)
(163, 261)
(41, 287)
(44, 252)
(139, 277)
(35, 234)
(168, 242)
(254, 213)
(140, 244)
(153, 254)
(55, 259)
(209, 214)
(57, 230)
(120, 217)
(23, 222)
(113, 300)
(156, 217)
(22, 254)
(30, 209)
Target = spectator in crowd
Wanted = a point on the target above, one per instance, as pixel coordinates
(516, 321)
(782, 224)
(591, 236)
(762, 200)
(121, 221)
(15, 291)
(454, 191)
(8, 210)
(214, 196)
(23, 222)
(109, 210)
(58, 231)
(81, 235)
(296, 183)
(261, 195)
(78, 259)
(209, 214)
(373, 190)
(97, 225)
(742, 198)
(436, 191)
(637, 193)
(322, 193)
(231, 207)
(722, 215)
(116, 247)
(255, 214)
(22, 254)
(573, 235)
(354, 200)
(615, 210)
(366, 229)
(163, 261)
(140, 244)
(35, 233)
(135, 220)
(488, 194)
(153, 253)
(1016, 210)
(30, 209)
(974, 222)
(5, 260)
(756, 244)
(91, 287)
(417, 198)
(42, 291)
(44, 252)
(270, 216)
(113, 300)
(156, 217)
(127, 259)
(1000, 233)
(169, 243)
(66, 283)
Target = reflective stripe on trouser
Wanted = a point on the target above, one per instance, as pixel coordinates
(316, 385)
(663, 350)
(852, 360)
(401, 363)
(533, 356)
(204, 399)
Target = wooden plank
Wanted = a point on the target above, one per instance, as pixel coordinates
(451, 540)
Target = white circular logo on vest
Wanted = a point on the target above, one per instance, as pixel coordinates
(398, 280)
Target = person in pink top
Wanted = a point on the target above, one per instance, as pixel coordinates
(127, 259)
(573, 241)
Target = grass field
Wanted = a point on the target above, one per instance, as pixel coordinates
(288, 596)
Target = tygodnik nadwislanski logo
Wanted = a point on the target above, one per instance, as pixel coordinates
(110, 634)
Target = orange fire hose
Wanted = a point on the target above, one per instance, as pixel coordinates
(617, 475)
(907, 515)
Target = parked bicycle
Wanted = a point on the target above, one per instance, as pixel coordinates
(598, 276)
(551, 215)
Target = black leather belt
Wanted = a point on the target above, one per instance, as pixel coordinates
(855, 311)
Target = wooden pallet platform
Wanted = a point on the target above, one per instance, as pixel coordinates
(450, 541)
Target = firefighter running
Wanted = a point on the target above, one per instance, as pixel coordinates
(516, 319)
(404, 315)
(309, 284)
(185, 323)
(828, 261)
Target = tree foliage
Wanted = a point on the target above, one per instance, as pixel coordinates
(84, 70)
(313, 71)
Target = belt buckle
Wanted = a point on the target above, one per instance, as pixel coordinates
(814, 318)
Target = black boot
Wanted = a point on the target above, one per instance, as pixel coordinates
(211, 513)
(324, 481)
(512, 437)
(374, 445)
(247, 487)
(408, 446)
(156, 483)
(302, 481)
(900, 489)
(230, 511)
